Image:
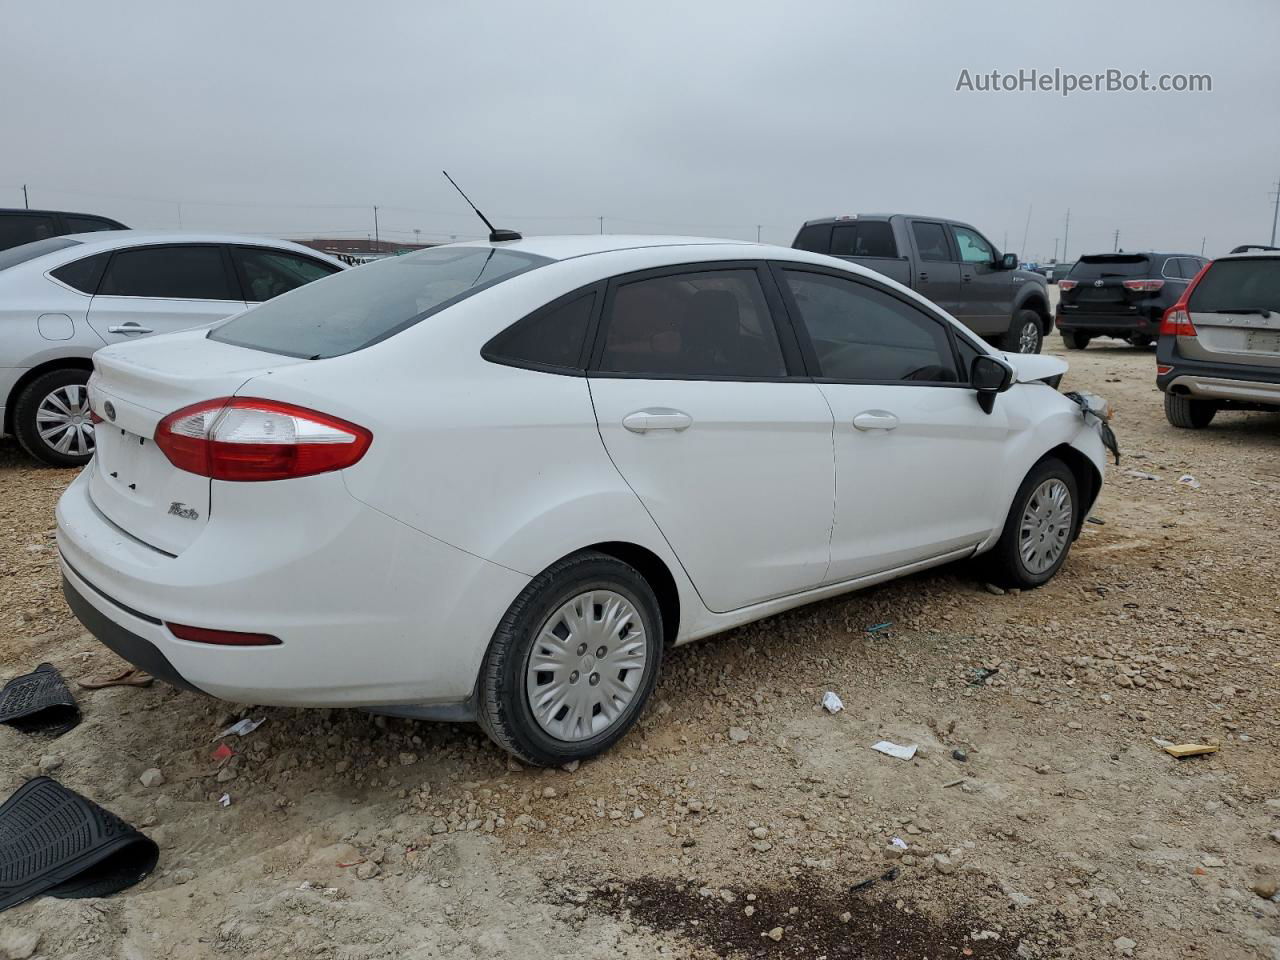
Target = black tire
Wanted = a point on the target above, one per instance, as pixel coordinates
(505, 713)
(1189, 414)
(27, 408)
(1140, 340)
(1074, 340)
(1026, 333)
(1005, 564)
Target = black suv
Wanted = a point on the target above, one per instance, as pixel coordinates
(26, 226)
(1122, 295)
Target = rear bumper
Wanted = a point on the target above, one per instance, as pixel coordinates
(1140, 321)
(370, 612)
(1206, 386)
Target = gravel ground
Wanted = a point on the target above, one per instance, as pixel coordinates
(740, 819)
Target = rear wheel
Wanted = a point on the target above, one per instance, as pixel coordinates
(1026, 333)
(1182, 411)
(51, 418)
(573, 661)
(1038, 532)
(1075, 340)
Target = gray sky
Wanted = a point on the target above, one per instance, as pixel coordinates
(708, 117)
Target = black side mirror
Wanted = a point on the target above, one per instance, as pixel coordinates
(1009, 261)
(989, 376)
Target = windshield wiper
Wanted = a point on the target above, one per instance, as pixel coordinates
(1247, 311)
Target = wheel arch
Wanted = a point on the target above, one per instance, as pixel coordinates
(1088, 479)
(59, 363)
(658, 575)
(1040, 304)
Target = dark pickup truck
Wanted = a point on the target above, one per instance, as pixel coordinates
(948, 262)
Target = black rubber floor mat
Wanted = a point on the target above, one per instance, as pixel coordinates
(54, 841)
(39, 702)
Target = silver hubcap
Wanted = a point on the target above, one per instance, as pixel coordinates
(62, 420)
(586, 665)
(1046, 526)
(1029, 338)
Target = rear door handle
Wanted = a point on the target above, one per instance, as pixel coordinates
(875, 420)
(924, 278)
(130, 327)
(657, 418)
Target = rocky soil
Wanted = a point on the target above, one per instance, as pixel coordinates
(1039, 818)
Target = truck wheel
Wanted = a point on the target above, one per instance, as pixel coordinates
(1025, 333)
(51, 418)
(1182, 411)
(1074, 340)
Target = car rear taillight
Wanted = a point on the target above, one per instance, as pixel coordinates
(1068, 284)
(244, 438)
(1143, 286)
(223, 638)
(1176, 321)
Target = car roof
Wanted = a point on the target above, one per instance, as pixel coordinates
(569, 246)
(1252, 255)
(53, 213)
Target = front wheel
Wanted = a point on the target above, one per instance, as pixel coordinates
(1182, 411)
(1026, 334)
(1074, 340)
(1038, 532)
(52, 421)
(573, 661)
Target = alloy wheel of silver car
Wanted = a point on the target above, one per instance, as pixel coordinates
(63, 420)
(586, 665)
(1046, 526)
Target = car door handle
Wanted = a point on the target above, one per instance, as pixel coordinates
(130, 327)
(924, 278)
(657, 418)
(875, 420)
(967, 277)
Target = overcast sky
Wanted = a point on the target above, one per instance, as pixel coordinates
(696, 117)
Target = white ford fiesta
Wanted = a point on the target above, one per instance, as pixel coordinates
(493, 481)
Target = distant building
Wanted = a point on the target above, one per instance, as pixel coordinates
(361, 250)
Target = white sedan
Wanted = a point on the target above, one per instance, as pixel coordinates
(494, 481)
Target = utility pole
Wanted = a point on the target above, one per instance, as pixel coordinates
(1066, 232)
(1005, 246)
(417, 237)
(601, 219)
(757, 233)
(1274, 216)
(27, 206)
(1055, 249)
(377, 240)
(1115, 248)
(1025, 230)
(1202, 240)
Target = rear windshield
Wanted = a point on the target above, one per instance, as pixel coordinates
(1231, 286)
(1111, 265)
(29, 251)
(356, 308)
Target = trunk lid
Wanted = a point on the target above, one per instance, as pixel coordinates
(134, 387)
(1235, 309)
(1100, 284)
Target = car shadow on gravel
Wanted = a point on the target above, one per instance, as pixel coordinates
(826, 922)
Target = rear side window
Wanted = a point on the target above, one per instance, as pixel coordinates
(29, 251)
(1111, 265)
(815, 237)
(931, 239)
(866, 238)
(88, 224)
(706, 324)
(1233, 286)
(551, 337)
(19, 228)
(863, 334)
(170, 273)
(268, 273)
(357, 308)
(83, 274)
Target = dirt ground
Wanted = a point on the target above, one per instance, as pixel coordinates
(1067, 832)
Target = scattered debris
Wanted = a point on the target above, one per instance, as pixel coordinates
(992, 589)
(979, 675)
(954, 783)
(899, 843)
(225, 800)
(1187, 480)
(831, 702)
(151, 777)
(888, 875)
(893, 750)
(131, 677)
(738, 735)
(1139, 475)
(39, 702)
(241, 728)
(958, 754)
(1098, 520)
(223, 753)
(881, 627)
(1181, 750)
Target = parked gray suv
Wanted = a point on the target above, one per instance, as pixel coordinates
(949, 262)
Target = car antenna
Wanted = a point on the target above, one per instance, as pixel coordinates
(495, 235)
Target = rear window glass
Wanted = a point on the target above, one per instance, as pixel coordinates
(867, 238)
(83, 274)
(552, 337)
(814, 237)
(29, 251)
(1114, 265)
(356, 308)
(1230, 286)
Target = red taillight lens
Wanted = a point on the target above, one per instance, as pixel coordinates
(1068, 284)
(1143, 286)
(244, 438)
(224, 638)
(1162, 369)
(1176, 322)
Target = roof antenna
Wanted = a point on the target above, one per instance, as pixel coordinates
(495, 235)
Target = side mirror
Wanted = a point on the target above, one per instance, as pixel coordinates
(989, 376)
(1009, 261)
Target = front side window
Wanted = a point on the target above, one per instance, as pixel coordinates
(170, 273)
(268, 273)
(861, 333)
(713, 323)
(550, 337)
(360, 307)
(973, 248)
(88, 224)
(931, 240)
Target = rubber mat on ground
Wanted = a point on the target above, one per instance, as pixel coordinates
(54, 841)
(39, 702)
